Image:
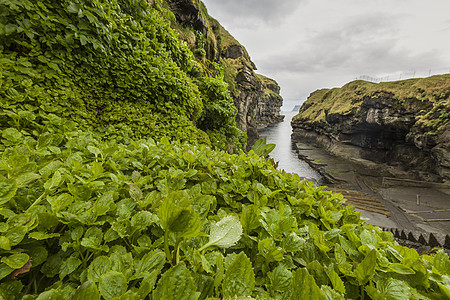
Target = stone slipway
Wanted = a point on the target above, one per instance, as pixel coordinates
(414, 208)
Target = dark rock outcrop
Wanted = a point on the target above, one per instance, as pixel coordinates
(267, 109)
(188, 13)
(256, 97)
(402, 128)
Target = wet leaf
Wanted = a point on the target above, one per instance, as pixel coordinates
(225, 233)
(112, 284)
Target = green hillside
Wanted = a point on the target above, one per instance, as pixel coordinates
(114, 67)
(113, 184)
(429, 98)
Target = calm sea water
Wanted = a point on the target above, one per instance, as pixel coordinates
(284, 153)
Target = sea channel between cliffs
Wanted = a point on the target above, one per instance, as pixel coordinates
(384, 147)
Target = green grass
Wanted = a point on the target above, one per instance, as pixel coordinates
(411, 94)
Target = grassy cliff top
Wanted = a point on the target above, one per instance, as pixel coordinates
(435, 89)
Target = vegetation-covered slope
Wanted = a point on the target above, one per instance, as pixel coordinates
(116, 67)
(99, 199)
(412, 94)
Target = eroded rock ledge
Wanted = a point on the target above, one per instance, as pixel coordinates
(402, 127)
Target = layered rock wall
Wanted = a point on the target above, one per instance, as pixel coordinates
(256, 97)
(403, 128)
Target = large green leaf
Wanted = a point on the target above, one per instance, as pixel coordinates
(25, 179)
(441, 263)
(400, 269)
(177, 216)
(225, 233)
(150, 262)
(280, 279)
(8, 189)
(304, 286)
(293, 243)
(148, 283)
(68, 266)
(336, 281)
(250, 218)
(366, 269)
(99, 266)
(389, 288)
(369, 239)
(5, 270)
(331, 294)
(261, 147)
(5, 243)
(176, 284)
(239, 277)
(87, 291)
(16, 261)
(52, 294)
(112, 284)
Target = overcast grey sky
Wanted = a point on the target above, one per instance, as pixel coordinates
(306, 45)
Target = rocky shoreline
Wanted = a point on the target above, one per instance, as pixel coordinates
(388, 202)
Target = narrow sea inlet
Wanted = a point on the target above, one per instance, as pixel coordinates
(284, 153)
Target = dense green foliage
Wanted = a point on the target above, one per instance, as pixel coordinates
(82, 218)
(113, 66)
(98, 199)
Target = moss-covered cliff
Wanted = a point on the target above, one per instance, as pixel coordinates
(121, 70)
(256, 97)
(114, 67)
(403, 123)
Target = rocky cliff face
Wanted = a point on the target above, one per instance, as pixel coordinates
(403, 127)
(256, 97)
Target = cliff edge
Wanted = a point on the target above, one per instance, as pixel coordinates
(401, 128)
(256, 97)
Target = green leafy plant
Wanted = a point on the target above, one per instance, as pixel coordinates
(115, 67)
(80, 217)
(225, 233)
(261, 147)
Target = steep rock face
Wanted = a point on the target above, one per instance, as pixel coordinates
(268, 105)
(442, 153)
(256, 97)
(403, 126)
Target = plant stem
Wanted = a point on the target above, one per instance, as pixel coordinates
(38, 200)
(166, 246)
(177, 252)
(204, 247)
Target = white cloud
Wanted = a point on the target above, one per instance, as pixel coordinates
(253, 13)
(310, 44)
